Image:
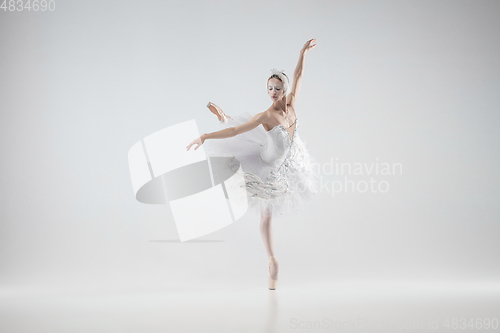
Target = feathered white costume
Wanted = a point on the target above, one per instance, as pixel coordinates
(279, 172)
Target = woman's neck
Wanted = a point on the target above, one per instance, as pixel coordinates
(278, 107)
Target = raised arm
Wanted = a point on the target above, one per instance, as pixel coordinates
(299, 70)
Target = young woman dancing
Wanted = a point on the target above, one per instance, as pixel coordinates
(280, 175)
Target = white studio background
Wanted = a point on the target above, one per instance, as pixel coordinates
(408, 82)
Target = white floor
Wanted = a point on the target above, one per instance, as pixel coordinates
(337, 306)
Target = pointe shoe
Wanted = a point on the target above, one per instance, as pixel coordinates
(271, 282)
(223, 118)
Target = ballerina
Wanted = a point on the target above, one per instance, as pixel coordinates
(280, 175)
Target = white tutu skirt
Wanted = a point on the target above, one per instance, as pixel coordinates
(285, 189)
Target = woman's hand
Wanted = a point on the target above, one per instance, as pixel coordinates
(309, 45)
(198, 141)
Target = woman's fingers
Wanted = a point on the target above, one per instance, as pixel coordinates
(190, 145)
(197, 141)
(310, 44)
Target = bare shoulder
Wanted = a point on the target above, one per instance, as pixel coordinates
(255, 121)
(267, 117)
(264, 115)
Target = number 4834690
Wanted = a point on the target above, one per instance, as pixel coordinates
(474, 323)
(35, 5)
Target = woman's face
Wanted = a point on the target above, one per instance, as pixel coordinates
(275, 89)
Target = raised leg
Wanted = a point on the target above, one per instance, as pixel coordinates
(223, 118)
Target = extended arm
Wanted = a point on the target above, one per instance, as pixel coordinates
(298, 73)
(230, 131)
(233, 131)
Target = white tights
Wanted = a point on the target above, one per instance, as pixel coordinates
(266, 232)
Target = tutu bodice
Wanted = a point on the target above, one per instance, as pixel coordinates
(279, 172)
(277, 145)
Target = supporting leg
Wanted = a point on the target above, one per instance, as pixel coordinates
(267, 237)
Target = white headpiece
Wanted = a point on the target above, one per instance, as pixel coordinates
(283, 78)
